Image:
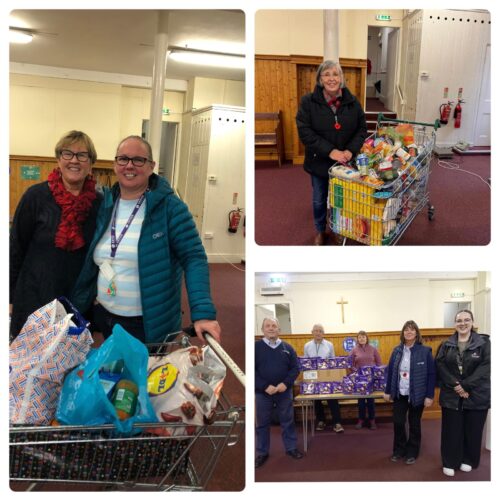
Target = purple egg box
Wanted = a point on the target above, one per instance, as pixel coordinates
(324, 387)
(363, 386)
(378, 385)
(365, 371)
(323, 364)
(336, 387)
(339, 362)
(379, 372)
(308, 388)
(308, 363)
(347, 385)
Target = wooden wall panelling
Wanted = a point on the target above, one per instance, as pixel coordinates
(103, 172)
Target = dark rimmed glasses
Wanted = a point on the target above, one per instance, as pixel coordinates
(137, 161)
(82, 156)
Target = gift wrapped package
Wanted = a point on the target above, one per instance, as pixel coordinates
(308, 363)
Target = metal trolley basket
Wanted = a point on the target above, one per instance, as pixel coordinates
(379, 214)
(96, 458)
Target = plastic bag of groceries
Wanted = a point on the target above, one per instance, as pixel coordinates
(184, 387)
(54, 340)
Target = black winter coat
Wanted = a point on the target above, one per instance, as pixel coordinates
(475, 377)
(316, 126)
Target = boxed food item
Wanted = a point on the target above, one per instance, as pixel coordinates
(378, 384)
(324, 387)
(336, 387)
(379, 372)
(362, 385)
(365, 371)
(339, 362)
(323, 364)
(348, 385)
(308, 388)
(308, 363)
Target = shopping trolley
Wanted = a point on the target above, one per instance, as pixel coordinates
(95, 458)
(373, 212)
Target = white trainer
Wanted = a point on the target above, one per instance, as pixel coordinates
(465, 468)
(448, 472)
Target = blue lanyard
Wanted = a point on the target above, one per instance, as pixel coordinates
(115, 242)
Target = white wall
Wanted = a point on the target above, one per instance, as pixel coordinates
(375, 305)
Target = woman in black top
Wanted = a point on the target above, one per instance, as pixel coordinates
(332, 126)
(463, 366)
(52, 227)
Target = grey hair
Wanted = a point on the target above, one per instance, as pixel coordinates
(270, 319)
(328, 64)
(318, 325)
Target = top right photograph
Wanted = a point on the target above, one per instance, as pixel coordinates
(372, 127)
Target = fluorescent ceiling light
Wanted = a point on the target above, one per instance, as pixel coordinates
(202, 58)
(19, 36)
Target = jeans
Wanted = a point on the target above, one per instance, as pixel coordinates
(264, 407)
(320, 196)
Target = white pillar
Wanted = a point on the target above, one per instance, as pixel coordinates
(158, 85)
(331, 35)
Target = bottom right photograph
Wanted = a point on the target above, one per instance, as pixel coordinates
(372, 376)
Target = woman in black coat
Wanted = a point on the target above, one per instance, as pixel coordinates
(463, 366)
(332, 126)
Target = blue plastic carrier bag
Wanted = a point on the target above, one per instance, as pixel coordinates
(83, 399)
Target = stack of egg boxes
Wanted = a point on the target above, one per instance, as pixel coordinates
(364, 381)
(322, 387)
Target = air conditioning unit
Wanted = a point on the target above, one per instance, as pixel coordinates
(272, 290)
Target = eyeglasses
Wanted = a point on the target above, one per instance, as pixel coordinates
(462, 321)
(82, 156)
(137, 161)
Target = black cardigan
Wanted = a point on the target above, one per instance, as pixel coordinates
(316, 126)
(40, 272)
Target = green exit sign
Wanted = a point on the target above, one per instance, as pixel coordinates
(165, 111)
(383, 17)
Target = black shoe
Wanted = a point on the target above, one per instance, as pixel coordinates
(395, 458)
(260, 460)
(295, 454)
(410, 460)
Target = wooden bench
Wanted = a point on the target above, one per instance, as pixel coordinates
(269, 144)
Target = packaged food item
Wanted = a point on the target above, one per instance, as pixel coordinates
(308, 388)
(125, 398)
(308, 363)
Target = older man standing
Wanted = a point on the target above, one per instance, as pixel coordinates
(276, 368)
(321, 348)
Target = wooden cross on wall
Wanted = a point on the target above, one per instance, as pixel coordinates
(341, 303)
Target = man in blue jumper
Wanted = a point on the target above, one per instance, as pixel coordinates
(276, 368)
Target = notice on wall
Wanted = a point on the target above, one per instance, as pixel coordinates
(349, 343)
(30, 173)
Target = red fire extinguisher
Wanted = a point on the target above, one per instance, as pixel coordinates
(444, 112)
(457, 113)
(234, 218)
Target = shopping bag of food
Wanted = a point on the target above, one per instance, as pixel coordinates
(54, 340)
(86, 396)
(184, 387)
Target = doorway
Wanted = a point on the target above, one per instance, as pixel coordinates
(381, 78)
(482, 135)
(450, 311)
(168, 149)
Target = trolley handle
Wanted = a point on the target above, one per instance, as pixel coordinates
(223, 355)
(381, 118)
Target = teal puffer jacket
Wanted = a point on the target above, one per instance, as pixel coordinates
(169, 245)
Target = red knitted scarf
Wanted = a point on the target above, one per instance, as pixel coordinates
(74, 211)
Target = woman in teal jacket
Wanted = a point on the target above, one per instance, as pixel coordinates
(145, 239)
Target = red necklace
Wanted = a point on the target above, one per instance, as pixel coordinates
(74, 211)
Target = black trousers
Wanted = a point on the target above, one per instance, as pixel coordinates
(103, 321)
(461, 437)
(406, 444)
(333, 404)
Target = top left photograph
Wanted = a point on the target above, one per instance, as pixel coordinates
(127, 250)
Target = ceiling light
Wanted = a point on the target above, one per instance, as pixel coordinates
(205, 58)
(20, 36)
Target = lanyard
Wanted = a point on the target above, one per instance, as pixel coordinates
(114, 241)
(333, 106)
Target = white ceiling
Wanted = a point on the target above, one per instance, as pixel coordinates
(122, 41)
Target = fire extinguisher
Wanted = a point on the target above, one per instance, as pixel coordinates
(234, 218)
(444, 112)
(457, 113)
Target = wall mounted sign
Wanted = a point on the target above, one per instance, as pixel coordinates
(30, 173)
(349, 343)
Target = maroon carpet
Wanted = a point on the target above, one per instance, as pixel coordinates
(362, 455)
(283, 206)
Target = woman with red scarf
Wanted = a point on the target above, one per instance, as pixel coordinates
(52, 227)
